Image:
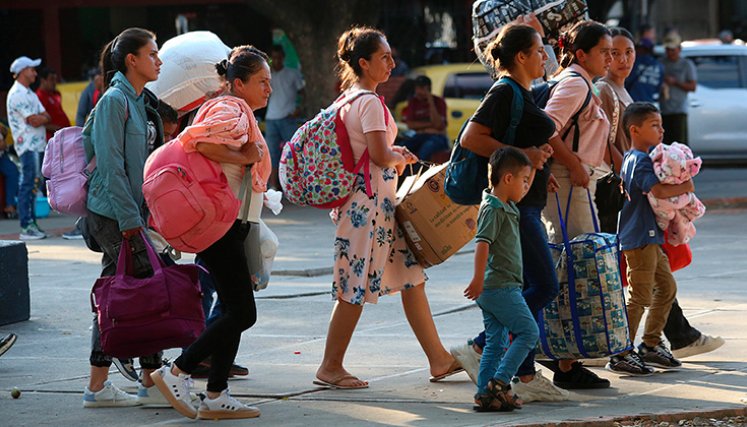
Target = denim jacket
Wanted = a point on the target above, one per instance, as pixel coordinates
(116, 133)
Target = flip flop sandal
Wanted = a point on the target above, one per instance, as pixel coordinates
(335, 383)
(455, 368)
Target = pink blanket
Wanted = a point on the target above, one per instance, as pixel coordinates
(229, 120)
(675, 164)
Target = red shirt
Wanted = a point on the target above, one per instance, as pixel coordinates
(417, 110)
(52, 102)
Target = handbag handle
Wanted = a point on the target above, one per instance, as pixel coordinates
(125, 257)
(563, 221)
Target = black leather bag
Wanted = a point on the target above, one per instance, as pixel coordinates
(609, 196)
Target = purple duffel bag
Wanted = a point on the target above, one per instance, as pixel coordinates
(143, 316)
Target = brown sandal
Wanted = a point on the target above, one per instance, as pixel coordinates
(501, 392)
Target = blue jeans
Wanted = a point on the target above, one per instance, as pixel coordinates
(30, 171)
(425, 145)
(277, 133)
(9, 170)
(504, 310)
(540, 282)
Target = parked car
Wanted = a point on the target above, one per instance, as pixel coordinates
(461, 85)
(717, 119)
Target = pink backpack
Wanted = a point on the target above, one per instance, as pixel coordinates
(67, 171)
(317, 166)
(191, 204)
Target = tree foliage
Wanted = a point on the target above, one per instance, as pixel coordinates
(313, 27)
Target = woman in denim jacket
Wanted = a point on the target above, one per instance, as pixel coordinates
(118, 133)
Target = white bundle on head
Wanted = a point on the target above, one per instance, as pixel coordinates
(188, 76)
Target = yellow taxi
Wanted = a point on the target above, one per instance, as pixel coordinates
(462, 86)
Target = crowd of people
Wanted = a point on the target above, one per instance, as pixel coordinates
(514, 275)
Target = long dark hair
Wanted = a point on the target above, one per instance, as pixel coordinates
(115, 52)
(513, 38)
(582, 36)
(354, 44)
(242, 63)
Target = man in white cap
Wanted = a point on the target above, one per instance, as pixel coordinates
(27, 118)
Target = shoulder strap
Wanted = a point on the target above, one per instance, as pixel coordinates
(517, 110)
(614, 125)
(574, 118)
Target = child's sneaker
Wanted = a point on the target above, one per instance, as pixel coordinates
(539, 389)
(151, 396)
(658, 356)
(108, 397)
(225, 407)
(175, 389)
(630, 364)
(468, 358)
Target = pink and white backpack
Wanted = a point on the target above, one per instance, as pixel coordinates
(191, 204)
(317, 167)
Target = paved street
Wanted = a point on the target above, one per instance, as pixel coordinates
(49, 363)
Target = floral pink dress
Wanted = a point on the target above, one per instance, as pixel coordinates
(371, 255)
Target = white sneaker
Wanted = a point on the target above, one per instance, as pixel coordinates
(151, 397)
(225, 407)
(108, 397)
(539, 389)
(469, 359)
(175, 389)
(704, 344)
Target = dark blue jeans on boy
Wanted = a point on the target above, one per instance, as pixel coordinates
(540, 281)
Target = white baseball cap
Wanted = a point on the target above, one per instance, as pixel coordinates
(23, 62)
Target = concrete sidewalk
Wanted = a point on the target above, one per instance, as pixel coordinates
(49, 363)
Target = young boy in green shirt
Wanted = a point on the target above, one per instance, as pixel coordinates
(497, 281)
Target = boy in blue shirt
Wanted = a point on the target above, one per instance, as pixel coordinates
(497, 281)
(650, 280)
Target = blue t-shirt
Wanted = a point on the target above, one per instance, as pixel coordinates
(644, 82)
(637, 221)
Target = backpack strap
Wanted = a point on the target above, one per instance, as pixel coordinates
(614, 125)
(574, 118)
(245, 194)
(365, 161)
(517, 110)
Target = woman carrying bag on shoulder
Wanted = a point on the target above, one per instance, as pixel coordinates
(518, 56)
(578, 145)
(226, 132)
(371, 257)
(118, 134)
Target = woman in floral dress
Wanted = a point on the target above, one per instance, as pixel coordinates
(371, 257)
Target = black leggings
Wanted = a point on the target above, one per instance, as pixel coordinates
(226, 261)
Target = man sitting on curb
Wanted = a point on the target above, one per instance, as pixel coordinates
(425, 114)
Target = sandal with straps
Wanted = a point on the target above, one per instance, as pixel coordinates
(501, 392)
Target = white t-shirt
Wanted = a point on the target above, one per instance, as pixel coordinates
(22, 102)
(285, 86)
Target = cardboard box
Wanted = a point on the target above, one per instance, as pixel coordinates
(435, 227)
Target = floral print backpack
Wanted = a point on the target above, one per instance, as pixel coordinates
(317, 167)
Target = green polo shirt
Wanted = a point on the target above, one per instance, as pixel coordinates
(498, 226)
